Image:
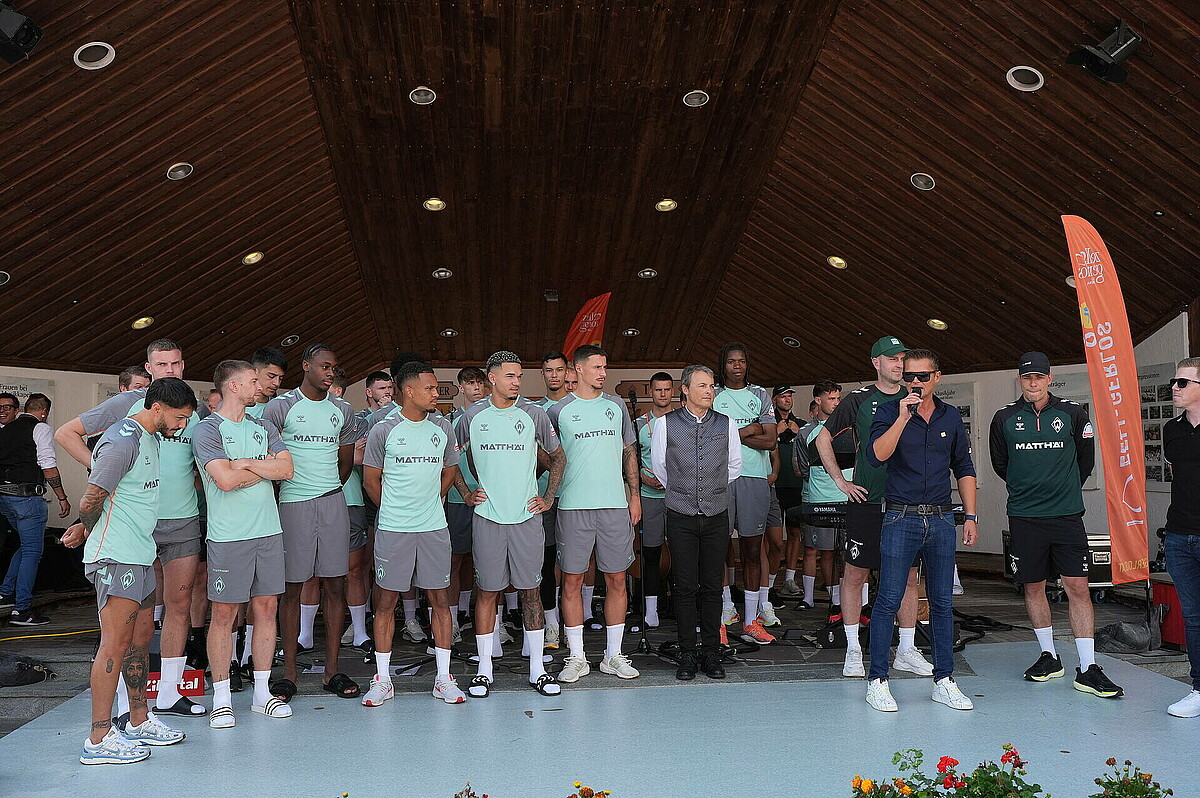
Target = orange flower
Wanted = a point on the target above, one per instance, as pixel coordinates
(905, 789)
(856, 782)
(867, 785)
(1147, 776)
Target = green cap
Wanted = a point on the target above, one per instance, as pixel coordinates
(888, 345)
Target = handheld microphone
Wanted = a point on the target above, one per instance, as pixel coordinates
(918, 391)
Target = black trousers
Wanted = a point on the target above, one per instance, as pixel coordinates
(698, 546)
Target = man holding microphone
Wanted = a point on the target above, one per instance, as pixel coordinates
(920, 440)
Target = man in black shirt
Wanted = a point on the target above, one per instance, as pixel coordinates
(1181, 448)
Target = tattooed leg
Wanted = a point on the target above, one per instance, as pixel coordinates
(135, 666)
(116, 634)
(532, 616)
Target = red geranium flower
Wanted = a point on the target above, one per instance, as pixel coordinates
(945, 763)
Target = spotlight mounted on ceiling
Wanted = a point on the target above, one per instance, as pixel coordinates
(836, 262)
(922, 181)
(792, 342)
(664, 205)
(1103, 61)
(937, 324)
(180, 171)
(142, 323)
(631, 332)
(449, 332)
(251, 258)
(422, 95)
(442, 273)
(695, 98)
(648, 274)
(18, 34)
(434, 204)
(291, 340)
(5, 278)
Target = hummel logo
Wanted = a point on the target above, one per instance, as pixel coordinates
(576, 418)
(300, 419)
(105, 576)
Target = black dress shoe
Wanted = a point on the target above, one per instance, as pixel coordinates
(688, 663)
(710, 663)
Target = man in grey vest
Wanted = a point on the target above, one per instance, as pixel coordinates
(695, 453)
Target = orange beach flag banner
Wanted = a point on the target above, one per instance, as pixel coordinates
(588, 327)
(1116, 400)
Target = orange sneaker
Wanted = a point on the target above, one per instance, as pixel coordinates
(756, 633)
(724, 636)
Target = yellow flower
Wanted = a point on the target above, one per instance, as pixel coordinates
(577, 784)
(905, 789)
(856, 782)
(868, 785)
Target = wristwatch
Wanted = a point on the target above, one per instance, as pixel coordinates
(974, 518)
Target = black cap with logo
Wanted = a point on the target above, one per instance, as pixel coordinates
(1033, 363)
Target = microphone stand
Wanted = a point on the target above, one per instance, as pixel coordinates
(643, 646)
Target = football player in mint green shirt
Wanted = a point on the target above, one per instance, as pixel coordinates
(269, 365)
(357, 579)
(118, 513)
(472, 386)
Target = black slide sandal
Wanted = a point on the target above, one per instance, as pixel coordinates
(544, 683)
(184, 707)
(339, 684)
(479, 681)
(284, 689)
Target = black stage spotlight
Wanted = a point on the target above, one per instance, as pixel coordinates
(1104, 60)
(18, 34)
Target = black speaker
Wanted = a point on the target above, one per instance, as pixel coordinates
(1104, 61)
(18, 34)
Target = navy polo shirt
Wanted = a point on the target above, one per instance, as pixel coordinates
(918, 472)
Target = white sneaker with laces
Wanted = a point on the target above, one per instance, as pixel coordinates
(574, 669)
(445, 688)
(766, 614)
(729, 614)
(913, 662)
(552, 636)
(790, 588)
(505, 636)
(880, 697)
(619, 665)
(853, 666)
(945, 691)
(381, 690)
(1187, 707)
(956, 590)
(114, 749)
(152, 732)
(413, 632)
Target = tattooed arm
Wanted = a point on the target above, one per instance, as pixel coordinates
(91, 506)
(55, 482)
(633, 485)
(558, 464)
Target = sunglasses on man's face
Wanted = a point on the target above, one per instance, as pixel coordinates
(1182, 382)
(918, 376)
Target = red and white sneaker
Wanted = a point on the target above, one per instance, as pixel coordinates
(381, 690)
(445, 688)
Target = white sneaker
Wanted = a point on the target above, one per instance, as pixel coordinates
(413, 632)
(945, 691)
(853, 666)
(574, 668)
(790, 588)
(114, 749)
(381, 690)
(445, 688)
(455, 634)
(552, 636)
(880, 697)
(766, 614)
(152, 732)
(505, 636)
(957, 590)
(913, 662)
(1187, 707)
(729, 614)
(619, 665)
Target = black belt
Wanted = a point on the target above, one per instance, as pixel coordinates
(22, 489)
(921, 509)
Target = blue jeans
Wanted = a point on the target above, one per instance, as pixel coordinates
(28, 516)
(904, 536)
(1183, 564)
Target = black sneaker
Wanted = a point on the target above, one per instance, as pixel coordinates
(28, 618)
(1095, 682)
(7, 602)
(688, 664)
(1047, 667)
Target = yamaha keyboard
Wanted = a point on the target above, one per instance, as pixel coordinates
(833, 514)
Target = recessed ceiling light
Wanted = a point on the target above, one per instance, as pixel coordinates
(5, 278)
(836, 262)
(792, 342)
(434, 204)
(422, 95)
(1071, 280)
(178, 171)
(1025, 78)
(449, 332)
(665, 205)
(695, 98)
(632, 331)
(142, 323)
(442, 274)
(291, 340)
(252, 258)
(95, 55)
(648, 274)
(922, 181)
(937, 324)
(1158, 213)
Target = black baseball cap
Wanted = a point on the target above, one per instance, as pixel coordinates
(1033, 363)
(780, 390)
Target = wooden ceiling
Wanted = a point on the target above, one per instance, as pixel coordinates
(556, 128)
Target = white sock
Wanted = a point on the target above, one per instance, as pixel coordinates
(588, 592)
(835, 594)
(247, 647)
(730, 573)
(771, 581)
(789, 575)
(497, 648)
(750, 605)
(614, 634)
(1086, 647)
(442, 655)
(221, 695)
(525, 642)
(358, 619)
(464, 599)
(410, 609)
(908, 639)
(551, 617)
(764, 596)
(158, 611)
(726, 598)
(957, 581)
(122, 696)
(383, 665)
(866, 594)
(483, 644)
(453, 615)
(168, 683)
(1045, 638)
(574, 641)
(431, 616)
(308, 619)
(262, 689)
(852, 637)
(535, 641)
(810, 585)
(652, 611)
(510, 601)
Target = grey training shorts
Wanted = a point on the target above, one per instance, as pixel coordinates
(749, 505)
(358, 526)
(241, 569)
(316, 537)
(607, 532)
(134, 582)
(821, 538)
(178, 537)
(654, 520)
(412, 559)
(550, 523)
(459, 519)
(774, 514)
(508, 554)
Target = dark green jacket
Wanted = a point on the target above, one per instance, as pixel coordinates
(1043, 457)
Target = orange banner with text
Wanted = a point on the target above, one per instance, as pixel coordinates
(1116, 402)
(588, 327)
